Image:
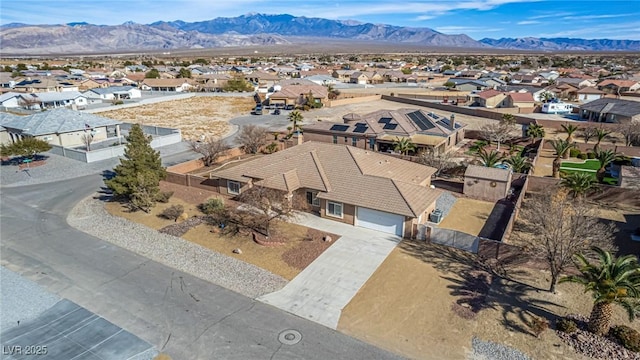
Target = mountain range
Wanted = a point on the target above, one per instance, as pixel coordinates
(258, 29)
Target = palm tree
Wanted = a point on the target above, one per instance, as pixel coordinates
(600, 135)
(561, 147)
(508, 119)
(547, 96)
(535, 131)
(403, 145)
(490, 159)
(579, 183)
(611, 281)
(604, 157)
(570, 129)
(296, 117)
(519, 164)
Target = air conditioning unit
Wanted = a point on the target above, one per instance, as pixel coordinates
(435, 216)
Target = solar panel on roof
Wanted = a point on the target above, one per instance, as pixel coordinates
(420, 120)
(360, 129)
(361, 124)
(384, 120)
(390, 126)
(339, 127)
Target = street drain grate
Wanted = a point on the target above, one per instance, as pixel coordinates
(290, 337)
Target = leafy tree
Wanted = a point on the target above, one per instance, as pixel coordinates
(449, 84)
(212, 206)
(184, 73)
(237, 83)
(200, 61)
(561, 147)
(139, 173)
(579, 183)
(7, 68)
(152, 74)
(490, 159)
(535, 131)
(519, 164)
(558, 228)
(26, 147)
(333, 92)
(252, 137)
(570, 129)
(21, 67)
(296, 118)
(210, 150)
(547, 96)
(403, 145)
(406, 71)
(600, 134)
(611, 281)
(604, 157)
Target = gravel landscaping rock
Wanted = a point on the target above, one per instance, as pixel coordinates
(22, 299)
(445, 202)
(90, 216)
(488, 350)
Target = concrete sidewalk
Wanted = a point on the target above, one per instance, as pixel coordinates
(324, 288)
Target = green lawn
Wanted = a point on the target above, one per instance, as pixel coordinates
(590, 164)
(607, 179)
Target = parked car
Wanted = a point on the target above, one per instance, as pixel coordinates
(276, 112)
(257, 110)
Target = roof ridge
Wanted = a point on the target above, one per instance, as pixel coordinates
(321, 172)
(355, 161)
(403, 197)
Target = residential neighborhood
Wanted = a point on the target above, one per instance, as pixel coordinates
(345, 206)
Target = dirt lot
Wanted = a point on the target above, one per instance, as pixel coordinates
(467, 215)
(196, 116)
(301, 244)
(407, 306)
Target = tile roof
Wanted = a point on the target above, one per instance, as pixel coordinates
(590, 90)
(58, 96)
(165, 82)
(488, 94)
(5, 118)
(57, 121)
(294, 91)
(521, 97)
(111, 89)
(345, 174)
(487, 173)
(613, 106)
(619, 83)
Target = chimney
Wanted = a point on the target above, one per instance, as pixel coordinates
(453, 121)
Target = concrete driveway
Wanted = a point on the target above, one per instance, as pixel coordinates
(324, 288)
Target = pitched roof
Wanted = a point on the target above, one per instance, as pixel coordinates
(521, 97)
(165, 82)
(590, 90)
(57, 121)
(488, 94)
(613, 106)
(294, 91)
(619, 83)
(344, 174)
(58, 96)
(487, 173)
(5, 118)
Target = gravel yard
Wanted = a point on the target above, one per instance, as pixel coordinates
(91, 217)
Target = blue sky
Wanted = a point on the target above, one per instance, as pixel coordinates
(590, 19)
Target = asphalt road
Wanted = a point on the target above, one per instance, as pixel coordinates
(184, 316)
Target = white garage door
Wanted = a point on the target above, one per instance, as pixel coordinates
(379, 220)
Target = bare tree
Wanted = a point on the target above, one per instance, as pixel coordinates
(267, 205)
(556, 227)
(442, 161)
(631, 133)
(29, 101)
(87, 139)
(588, 133)
(210, 149)
(498, 132)
(252, 137)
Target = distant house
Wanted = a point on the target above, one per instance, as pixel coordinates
(169, 85)
(114, 92)
(10, 100)
(62, 127)
(38, 85)
(343, 183)
(611, 110)
(520, 100)
(343, 75)
(298, 94)
(491, 99)
(614, 86)
(379, 130)
(468, 84)
(6, 81)
(322, 79)
(212, 82)
(588, 94)
(54, 100)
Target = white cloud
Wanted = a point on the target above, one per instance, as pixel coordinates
(550, 15)
(595, 17)
(619, 31)
(528, 22)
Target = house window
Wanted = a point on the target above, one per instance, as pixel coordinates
(372, 144)
(312, 198)
(346, 138)
(354, 141)
(233, 187)
(335, 139)
(334, 209)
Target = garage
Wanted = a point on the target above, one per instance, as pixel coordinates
(379, 220)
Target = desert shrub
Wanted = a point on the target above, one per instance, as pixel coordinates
(582, 156)
(271, 148)
(566, 325)
(591, 155)
(626, 336)
(538, 325)
(164, 196)
(212, 206)
(173, 212)
(574, 152)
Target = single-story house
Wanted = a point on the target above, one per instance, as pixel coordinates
(611, 110)
(490, 99)
(379, 130)
(462, 84)
(487, 183)
(4, 134)
(174, 85)
(297, 94)
(114, 92)
(520, 100)
(616, 86)
(62, 127)
(587, 94)
(343, 183)
(54, 100)
(10, 100)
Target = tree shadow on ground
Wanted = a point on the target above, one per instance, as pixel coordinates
(19, 160)
(477, 285)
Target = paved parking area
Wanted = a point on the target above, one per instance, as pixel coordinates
(69, 332)
(324, 288)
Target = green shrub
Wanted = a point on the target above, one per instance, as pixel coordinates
(271, 148)
(212, 206)
(173, 212)
(164, 196)
(591, 155)
(566, 325)
(574, 152)
(582, 156)
(627, 337)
